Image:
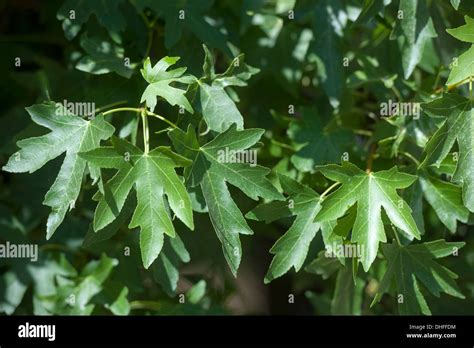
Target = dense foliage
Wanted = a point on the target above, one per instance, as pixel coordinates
(253, 156)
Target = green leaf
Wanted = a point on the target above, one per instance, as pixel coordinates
(74, 13)
(69, 134)
(197, 292)
(90, 284)
(214, 165)
(371, 192)
(92, 237)
(120, 306)
(190, 16)
(463, 7)
(415, 28)
(369, 10)
(159, 80)
(153, 177)
(465, 32)
(462, 69)
(270, 211)
(237, 73)
(13, 286)
(414, 197)
(166, 269)
(412, 265)
(290, 250)
(69, 293)
(218, 108)
(446, 200)
(347, 298)
(457, 126)
(317, 145)
(323, 265)
(103, 56)
(99, 269)
(327, 46)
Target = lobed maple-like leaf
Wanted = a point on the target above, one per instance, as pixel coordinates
(159, 80)
(327, 47)
(165, 270)
(463, 68)
(415, 28)
(70, 134)
(446, 200)
(212, 171)
(465, 32)
(371, 192)
(316, 145)
(103, 56)
(187, 15)
(218, 109)
(291, 249)
(348, 291)
(153, 176)
(369, 10)
(412, 265)
(74, 13)
(457, 126)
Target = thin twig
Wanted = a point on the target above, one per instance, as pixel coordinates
(328, 190)
(370, 158)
